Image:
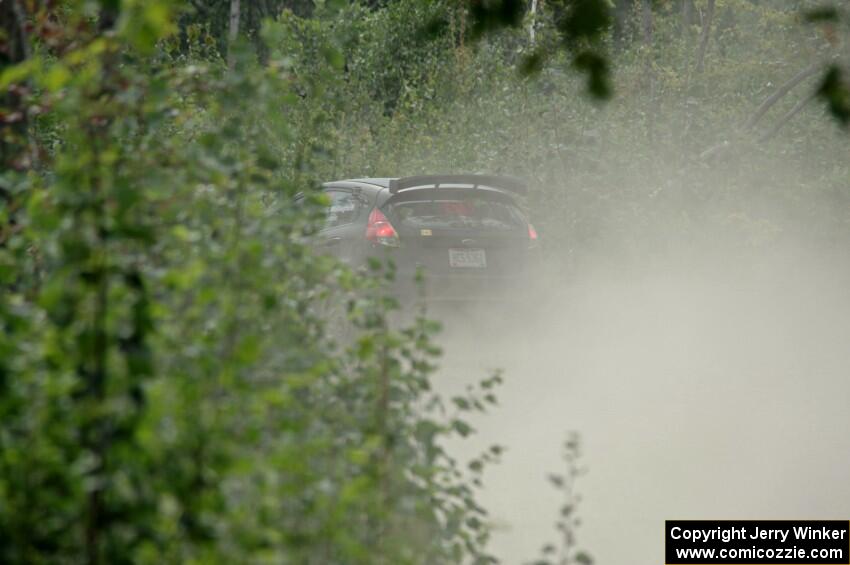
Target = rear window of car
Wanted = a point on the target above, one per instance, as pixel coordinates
(344, 208)
(473, 212)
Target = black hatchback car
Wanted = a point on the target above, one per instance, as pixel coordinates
(465, 234)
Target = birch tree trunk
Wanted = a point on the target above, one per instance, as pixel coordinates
(233, 30)
(532, 21)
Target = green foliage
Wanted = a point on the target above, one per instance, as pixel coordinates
(492, 15)
(168, 391)
(579, 27)
(835, 92)
(567, 552)
(834, 89)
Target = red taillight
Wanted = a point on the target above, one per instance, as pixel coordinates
(379, 229)
(532, 236)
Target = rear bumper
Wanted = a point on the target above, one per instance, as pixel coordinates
(463, 288)
(415, 283)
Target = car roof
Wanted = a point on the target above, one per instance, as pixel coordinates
(378, 181)
(382, 184)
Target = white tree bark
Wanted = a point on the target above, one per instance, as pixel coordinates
(532, 21)
(233, 29)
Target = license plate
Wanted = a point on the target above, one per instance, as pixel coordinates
(467, 258)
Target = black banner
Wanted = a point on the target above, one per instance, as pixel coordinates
(763, 542)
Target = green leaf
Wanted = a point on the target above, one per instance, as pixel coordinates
(596, 68)
(462, 428)
(834, 90)
(333, 57)
(822, 14)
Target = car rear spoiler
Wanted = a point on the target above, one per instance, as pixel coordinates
(510, 184)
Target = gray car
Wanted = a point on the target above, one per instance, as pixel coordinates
(466, 234)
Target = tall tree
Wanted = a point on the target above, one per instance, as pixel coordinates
(705, 34)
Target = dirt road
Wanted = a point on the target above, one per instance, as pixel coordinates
(709, 391)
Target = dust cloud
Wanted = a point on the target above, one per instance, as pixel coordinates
(710, 384)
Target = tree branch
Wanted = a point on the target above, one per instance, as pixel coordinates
(784, 89)
(787, 117)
